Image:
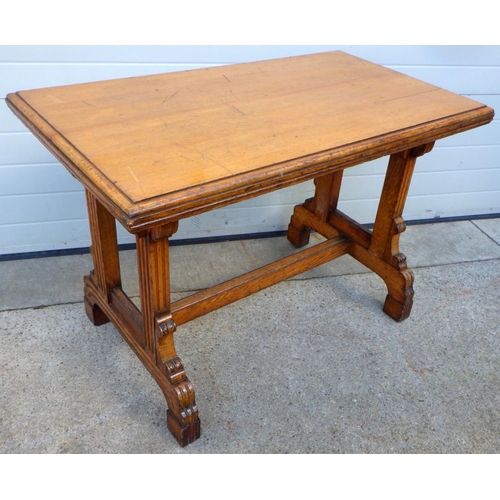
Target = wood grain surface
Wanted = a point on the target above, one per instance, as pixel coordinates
(163, 147)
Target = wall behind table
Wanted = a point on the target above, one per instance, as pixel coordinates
(43, 208)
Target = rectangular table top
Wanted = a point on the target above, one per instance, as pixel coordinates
(162, 147)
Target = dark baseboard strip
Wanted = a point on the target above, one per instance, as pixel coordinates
(216, 239)
(459, 218)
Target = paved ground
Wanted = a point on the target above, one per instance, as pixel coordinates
(311, 365)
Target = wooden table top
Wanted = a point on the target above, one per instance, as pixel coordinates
(156, 148)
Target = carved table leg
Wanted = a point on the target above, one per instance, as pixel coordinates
(104, 250)
(159, 328)
(149, 332)
(377, 249)
(326, 197)
(389, 224)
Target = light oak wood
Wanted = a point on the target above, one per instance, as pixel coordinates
(325, 200)
(104, 251)
(155, 149)
(161, 147)
(203, 302)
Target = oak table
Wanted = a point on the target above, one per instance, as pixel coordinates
(152, 150)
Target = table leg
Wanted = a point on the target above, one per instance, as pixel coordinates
(388, 226)
(149, 332)
(104, 251)
(159, 328)
(377, 249)
(325, 199)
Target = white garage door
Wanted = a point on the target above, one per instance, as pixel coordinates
(43, 208)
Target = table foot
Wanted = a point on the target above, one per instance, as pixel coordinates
(96, 315)
(396, 310)
(182, 413)
(184, 435)
(399, 300)
(298, 234)
(397, 276)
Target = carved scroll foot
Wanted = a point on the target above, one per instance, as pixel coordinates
(182, 413)
(399, 300)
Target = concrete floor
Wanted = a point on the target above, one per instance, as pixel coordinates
(311, 365)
